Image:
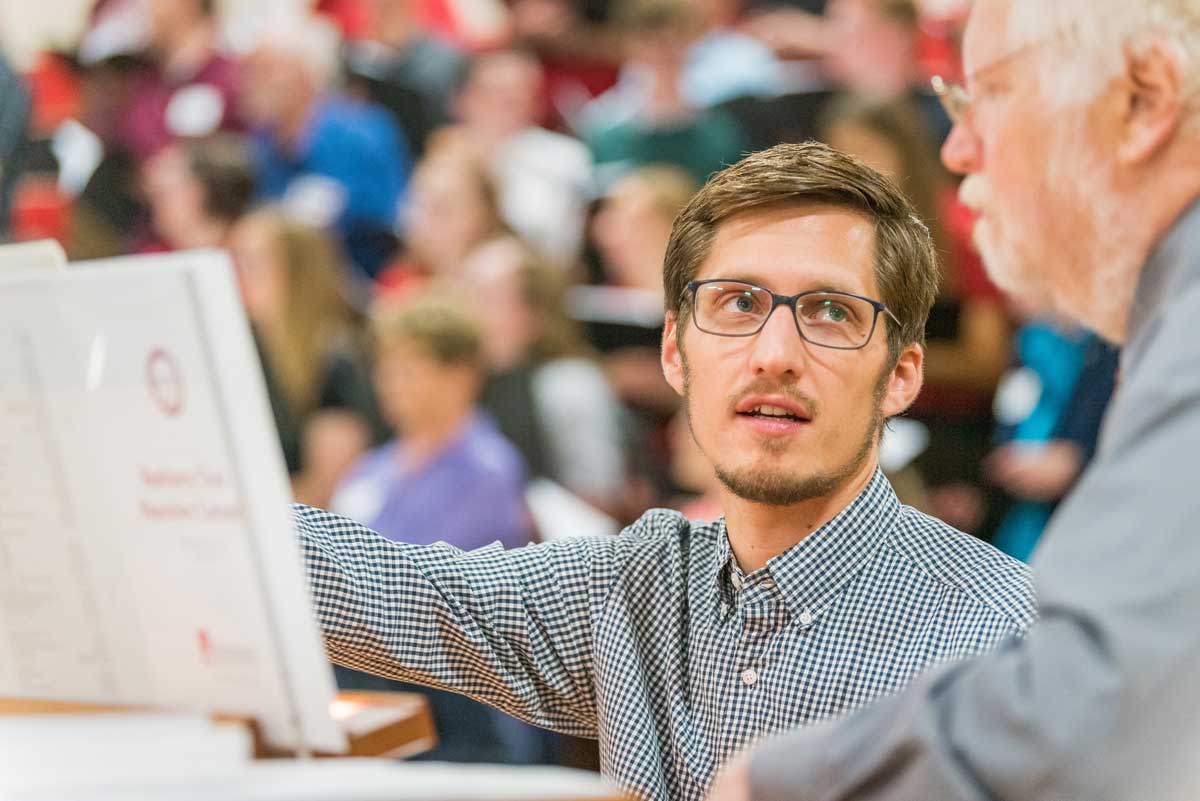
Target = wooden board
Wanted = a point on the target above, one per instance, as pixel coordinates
(378, 724)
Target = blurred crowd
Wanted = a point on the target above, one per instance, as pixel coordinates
(448, 220)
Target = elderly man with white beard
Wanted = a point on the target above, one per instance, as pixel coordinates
(1079, 131)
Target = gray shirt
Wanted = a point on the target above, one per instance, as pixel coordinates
(1101, 701)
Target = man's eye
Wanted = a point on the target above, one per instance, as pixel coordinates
(828, 312)
(739, 302)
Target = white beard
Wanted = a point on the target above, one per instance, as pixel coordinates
(1005, 266)
(1088, 272)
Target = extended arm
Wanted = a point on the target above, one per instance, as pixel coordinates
(510, 628)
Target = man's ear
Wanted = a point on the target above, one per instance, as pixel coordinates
(1153, 102)
(904, 382)
(672, 359)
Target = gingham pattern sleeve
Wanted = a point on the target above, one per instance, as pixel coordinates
(510, 628)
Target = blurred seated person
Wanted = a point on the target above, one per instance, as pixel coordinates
(450, 476)
(630, 232)
(404, 69)
(968, 332)
(576, 46)
(543, 179)
(311, 344)
(547, 396)
(649, 118)
(873, 49)
(197, 190)
(1048, 408)
(452, 208)
(625, 318)
(108, 216)
(330, 160)
(191, 88)
(717, 61)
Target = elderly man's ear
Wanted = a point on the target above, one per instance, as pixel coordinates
(1153, 100)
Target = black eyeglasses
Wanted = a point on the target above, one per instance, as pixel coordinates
(830, 319)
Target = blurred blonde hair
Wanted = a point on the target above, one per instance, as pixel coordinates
(922, 177)
(668, 187)
(543, 289)
(434, 319)
(316, 314)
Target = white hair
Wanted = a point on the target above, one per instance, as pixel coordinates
(1097, 33)
(311, 40)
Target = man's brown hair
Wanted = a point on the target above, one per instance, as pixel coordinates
(906, 262)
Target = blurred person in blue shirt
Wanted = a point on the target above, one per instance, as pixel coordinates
(328, 159)
(1048, 408)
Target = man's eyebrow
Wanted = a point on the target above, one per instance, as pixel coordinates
(747, 278)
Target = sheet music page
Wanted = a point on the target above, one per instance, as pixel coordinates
(133, 559)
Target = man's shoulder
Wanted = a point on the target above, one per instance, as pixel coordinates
(981, 573)
(662, 525)
(661, 537)
(310, 521)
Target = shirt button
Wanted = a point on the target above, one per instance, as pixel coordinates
(749, 677)
(806, 618)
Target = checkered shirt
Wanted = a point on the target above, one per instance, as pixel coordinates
(653, 640)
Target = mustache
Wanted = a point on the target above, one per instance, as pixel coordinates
(975, 192)
(765, 386)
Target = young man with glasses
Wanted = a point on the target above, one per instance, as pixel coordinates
(798, 282)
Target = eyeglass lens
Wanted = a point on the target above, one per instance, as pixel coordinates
(831, 319)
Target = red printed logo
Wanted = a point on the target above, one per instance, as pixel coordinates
(205, 644)
(165, 382)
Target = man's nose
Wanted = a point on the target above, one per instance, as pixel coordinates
(778, 348)
(960, 153)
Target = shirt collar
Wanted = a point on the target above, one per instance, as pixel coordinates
(1172, 266)
(813, 571)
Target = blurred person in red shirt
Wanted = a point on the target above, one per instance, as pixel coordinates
(577, 47)
(191, 88)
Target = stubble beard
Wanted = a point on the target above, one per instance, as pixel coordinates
(777, 486)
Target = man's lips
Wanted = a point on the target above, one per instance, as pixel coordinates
(773, 415)
(780, 407)
(773, 426)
